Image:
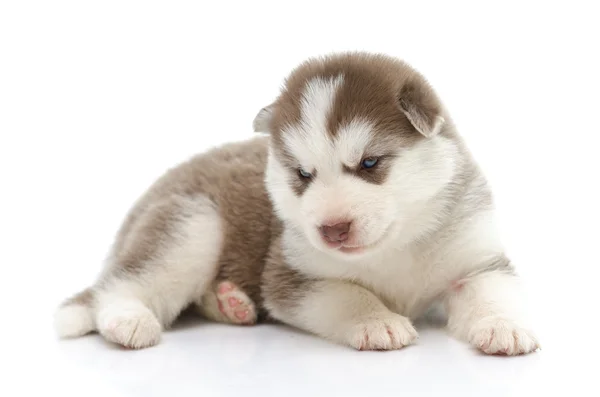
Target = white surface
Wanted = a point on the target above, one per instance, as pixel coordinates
(98, 99)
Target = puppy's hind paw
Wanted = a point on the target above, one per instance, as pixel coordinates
(135, 329)
(235, 304)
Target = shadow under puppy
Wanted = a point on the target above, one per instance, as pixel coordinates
(357, 210)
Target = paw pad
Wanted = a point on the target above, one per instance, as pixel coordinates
(235, 304)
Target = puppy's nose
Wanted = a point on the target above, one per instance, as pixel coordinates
(337, 232)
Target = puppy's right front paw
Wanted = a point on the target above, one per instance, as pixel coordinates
(388, 331)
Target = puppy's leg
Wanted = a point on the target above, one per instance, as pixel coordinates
(167, 258)
(339, 311)
(484, 310)
(225, 302)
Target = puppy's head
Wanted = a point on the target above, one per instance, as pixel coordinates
(357, 147)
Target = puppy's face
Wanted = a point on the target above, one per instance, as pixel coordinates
(355, 150)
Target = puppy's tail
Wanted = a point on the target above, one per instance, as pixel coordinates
(75, 316)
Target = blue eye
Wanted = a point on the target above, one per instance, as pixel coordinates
(304, 174)
(369, 162)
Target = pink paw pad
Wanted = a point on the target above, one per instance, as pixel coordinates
(235, 304)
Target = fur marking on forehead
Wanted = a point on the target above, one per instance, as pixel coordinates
(310, 134)
(353, 140)
(318, 99)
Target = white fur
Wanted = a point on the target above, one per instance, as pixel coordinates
(73, 321)
(390, 220)
(485, 311)
(308, 141)
(337, 196)
(350, 314)
(317, 100)
(407, 279)
(128, 322)
(351, 141)
(376, 211)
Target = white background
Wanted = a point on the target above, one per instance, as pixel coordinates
(97, 99)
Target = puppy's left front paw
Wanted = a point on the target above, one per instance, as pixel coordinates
(502, 336)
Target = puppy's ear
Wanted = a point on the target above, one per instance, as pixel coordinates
(422, 107)
(262, 121)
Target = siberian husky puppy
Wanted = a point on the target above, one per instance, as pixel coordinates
(357, 210)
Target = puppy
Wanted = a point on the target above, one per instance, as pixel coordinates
(358, 210)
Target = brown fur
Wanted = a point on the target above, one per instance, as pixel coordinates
(282, 283)
(232, 177)
(376, 88)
